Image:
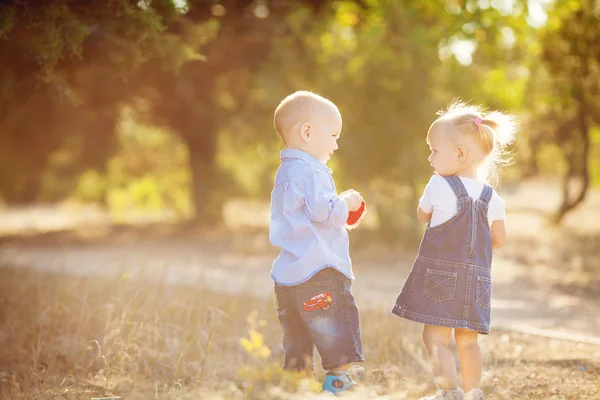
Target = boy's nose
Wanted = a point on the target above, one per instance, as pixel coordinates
(335, 146)
(429, 158)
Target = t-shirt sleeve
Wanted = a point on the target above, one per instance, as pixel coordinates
(426, 201)
(497, 211)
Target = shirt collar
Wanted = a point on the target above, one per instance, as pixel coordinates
(304, 156)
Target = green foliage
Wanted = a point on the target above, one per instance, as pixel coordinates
(571, 91)
(251, 166)
(211, 77)
(91, 187)
(73, 66)
(148, 173)
(381, 64)
(7, 19)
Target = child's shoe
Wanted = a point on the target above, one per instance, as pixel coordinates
(474, 394)
(445, 394)
(337, 382)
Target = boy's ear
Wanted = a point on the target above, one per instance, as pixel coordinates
(305, 131)
(461, 153)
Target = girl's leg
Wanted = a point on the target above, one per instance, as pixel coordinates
(471, 362)
(442, 362)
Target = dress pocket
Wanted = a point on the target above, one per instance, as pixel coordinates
(440, 285)
(483, 295)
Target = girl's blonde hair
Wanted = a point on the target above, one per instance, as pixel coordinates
(494, 131)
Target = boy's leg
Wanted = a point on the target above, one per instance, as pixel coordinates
(334, 325)
(471, 361)
(297, 342)
(442, 361)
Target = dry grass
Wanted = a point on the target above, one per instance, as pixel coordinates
(74, 337)
(565, 257)
(79, 338)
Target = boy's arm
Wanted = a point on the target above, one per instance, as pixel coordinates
(322, 204)
(498, 234)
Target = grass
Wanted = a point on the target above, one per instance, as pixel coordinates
(80, 338)
(73, 337)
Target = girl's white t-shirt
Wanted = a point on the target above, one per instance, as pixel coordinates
(439, 199)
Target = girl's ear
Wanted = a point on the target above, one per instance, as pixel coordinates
(461, 153)
(305, 131)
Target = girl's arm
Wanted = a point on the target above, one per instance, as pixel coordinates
(423, 216)
(425, 202)
(498, 233)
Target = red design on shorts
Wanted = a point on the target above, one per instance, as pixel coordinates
(320, 301)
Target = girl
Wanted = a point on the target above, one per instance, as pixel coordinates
(450, 284)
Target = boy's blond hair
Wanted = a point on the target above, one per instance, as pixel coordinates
(494, 132)
(296, 109)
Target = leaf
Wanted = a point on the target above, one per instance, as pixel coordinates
(246, 344)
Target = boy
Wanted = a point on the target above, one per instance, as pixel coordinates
(313, 272)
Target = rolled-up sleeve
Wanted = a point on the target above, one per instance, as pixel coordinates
(322, 204)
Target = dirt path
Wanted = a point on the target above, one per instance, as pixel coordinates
(525, 274)
(517, 305)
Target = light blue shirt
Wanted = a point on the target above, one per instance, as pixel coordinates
(307, 221)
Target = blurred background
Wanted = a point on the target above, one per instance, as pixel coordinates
(162, 109)
(136, 138)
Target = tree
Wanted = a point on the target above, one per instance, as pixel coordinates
(236, 37)
(100, 55)
(572, 57)
(64, 73)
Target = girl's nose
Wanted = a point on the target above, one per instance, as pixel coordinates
(429, 158)
(335, 147)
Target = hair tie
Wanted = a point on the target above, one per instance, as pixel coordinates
(478, 121)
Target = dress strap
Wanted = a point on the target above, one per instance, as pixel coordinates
(457, 186)
(486, 193)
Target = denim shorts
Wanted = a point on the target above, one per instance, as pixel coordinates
(320, 312)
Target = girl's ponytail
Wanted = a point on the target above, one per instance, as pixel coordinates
(494, 131)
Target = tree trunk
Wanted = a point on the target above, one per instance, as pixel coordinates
(26, 191)
(580, 89)
(204, 174)
(531, 167)
(578, 167)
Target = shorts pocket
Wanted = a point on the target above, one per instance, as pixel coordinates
(440, 285)
(316, 298)
(483, 295)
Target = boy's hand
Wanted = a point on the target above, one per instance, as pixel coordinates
(352, 198)
(346, 192)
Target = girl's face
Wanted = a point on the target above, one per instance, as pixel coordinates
(445, 157)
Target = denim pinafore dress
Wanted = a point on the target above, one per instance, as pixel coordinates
(450, 283)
